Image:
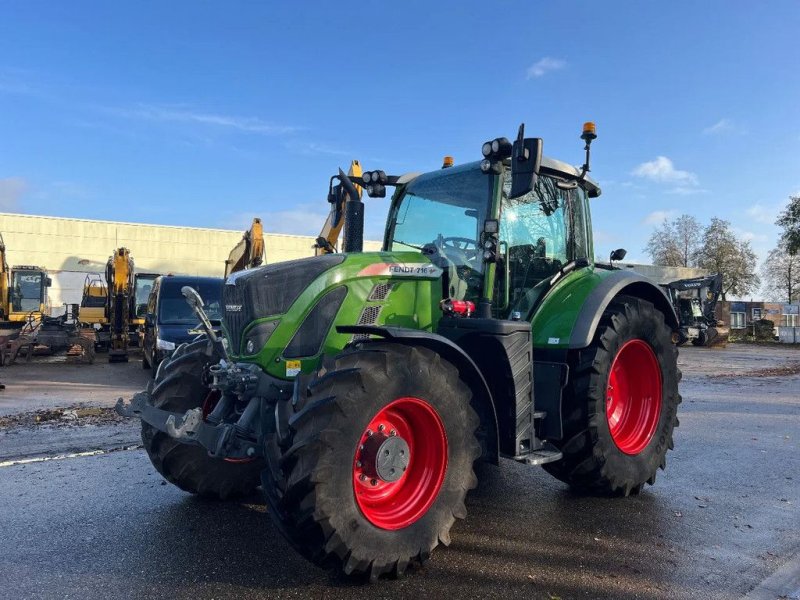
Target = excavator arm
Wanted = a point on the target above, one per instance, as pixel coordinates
(249, 252)
(119, 276)
(329, 236)
(4, 275)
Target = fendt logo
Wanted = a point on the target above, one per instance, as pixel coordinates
(233, 308)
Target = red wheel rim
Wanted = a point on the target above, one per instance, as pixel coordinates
(398, 500)
(633, 396)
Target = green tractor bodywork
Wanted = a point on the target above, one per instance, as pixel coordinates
(358, 388)
(401, 288)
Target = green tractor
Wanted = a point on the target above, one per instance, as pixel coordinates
(359, 389)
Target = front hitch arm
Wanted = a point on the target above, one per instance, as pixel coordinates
(224, 440)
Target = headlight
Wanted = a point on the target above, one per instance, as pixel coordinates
(164, 344)
(257, 336)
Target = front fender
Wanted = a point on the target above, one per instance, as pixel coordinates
(483, 401)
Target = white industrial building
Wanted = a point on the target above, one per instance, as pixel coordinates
(72, 248)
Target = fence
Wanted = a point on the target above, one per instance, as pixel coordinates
(789, 335)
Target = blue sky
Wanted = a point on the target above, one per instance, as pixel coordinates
(207, 114)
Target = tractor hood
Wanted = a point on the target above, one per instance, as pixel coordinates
(288, 312)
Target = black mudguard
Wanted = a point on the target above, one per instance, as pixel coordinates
(626, 283)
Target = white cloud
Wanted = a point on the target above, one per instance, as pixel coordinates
(301, 219)
(181, 114)
(657, 217)
(687, 191)
(662, 170)
(11, 190)
(720, 127)
(314, 149)
(763, 214)
(544, 66)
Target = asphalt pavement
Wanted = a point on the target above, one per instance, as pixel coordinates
(721, 519)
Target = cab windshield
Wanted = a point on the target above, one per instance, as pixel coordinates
(144, 284)
(173, 308)
(26, 291)
(443, 212)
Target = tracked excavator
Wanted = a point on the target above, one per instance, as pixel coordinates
(23, 292)
(119, 275)
(25, 322)
(249, 252)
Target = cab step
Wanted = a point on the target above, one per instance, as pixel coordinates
(546, 454)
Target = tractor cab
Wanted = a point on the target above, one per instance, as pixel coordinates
(27, 292)
(465, 220)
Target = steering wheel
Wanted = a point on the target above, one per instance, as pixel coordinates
(461, 244)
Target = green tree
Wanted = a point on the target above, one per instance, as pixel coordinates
(789, 221)
(781, 274)
(722, 252)
(675, 243)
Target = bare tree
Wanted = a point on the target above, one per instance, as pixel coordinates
(781, 274)
(722, 252)
(675, 243)
(789, 220)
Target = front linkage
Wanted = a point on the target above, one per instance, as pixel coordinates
(220, 429)
(230, 423)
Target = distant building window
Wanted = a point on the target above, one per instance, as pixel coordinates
(737, 320)
(791, 320)
(756, 314)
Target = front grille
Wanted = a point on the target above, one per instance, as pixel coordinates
(369, 316)
(237, 319)
(380, 292)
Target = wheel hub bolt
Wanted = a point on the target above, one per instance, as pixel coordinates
(362, 477)
(381, 428)
(392, 432)
(358, 464)
(374, 482)
(369, 432)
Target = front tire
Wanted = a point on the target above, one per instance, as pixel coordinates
(620, 405)
(377, 460)
(179, 387)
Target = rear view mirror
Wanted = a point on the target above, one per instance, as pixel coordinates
(526, 158)
(48, 282)
(618, 254)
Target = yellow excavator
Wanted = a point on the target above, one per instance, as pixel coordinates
(23, 292)
(249, 252)
(106, 306)
(119, 277)
(99, 310)
(25, 322)
(329, 236)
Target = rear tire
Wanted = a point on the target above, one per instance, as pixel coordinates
(616, 440)
(323, 493)
(179, 387)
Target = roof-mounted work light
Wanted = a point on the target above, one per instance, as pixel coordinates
(375, 183)
(494, 151)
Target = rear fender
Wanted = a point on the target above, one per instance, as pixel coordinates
(618, 283)
(482, 400)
